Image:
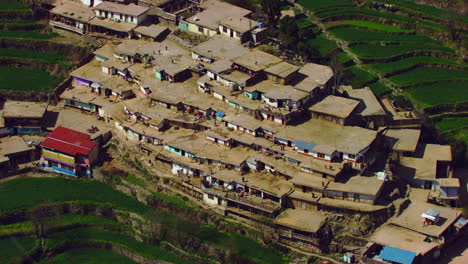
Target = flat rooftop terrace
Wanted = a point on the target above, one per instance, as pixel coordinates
(23, 109)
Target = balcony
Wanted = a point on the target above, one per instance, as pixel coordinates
(66, 27)
(249, 200)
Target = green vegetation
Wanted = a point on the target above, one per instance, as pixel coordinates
(23, 193)
(11, 6)
(454, 128)
(241, 245)
(303, 22)
(394, 66)
(355, 13)
(361, 77)
(26, 35)
(323, 45)
(451, 123)
(103, 236)
(22, 79)
(425, 10)
(373, 26)
(59, 221)
(438, 93)
(175, 201)
(53, 57)
(132, 178)
(17, 22)
(427, 74)
(380, 89)
(87, 256)
(15, 247)
(317, 5)
(384, 51)
(366, 36)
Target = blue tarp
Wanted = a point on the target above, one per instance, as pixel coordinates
(397, 255)
(220, 113)
(301, 145)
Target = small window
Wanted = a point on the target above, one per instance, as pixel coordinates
(320, 155)
(200, 29)
(306, 151)
(225, 29)
(210, 196)
(351, 156)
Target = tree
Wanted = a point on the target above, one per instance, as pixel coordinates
(288, 32)
(272, 9)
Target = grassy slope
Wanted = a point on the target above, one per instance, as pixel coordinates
(389, 67)
(438, 93)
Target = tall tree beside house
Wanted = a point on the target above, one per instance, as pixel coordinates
(297, 40)
(247, 4)
(272, 9)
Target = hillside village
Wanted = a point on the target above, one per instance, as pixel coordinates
(250, 135)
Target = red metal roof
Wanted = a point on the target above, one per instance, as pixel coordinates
(69, 141)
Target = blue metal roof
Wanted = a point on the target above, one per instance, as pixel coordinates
(304, 145)
(397, 255)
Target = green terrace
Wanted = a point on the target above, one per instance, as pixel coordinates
(380, 89)
(87, 256)
(370, 14)
(439, 93)
(356, 35)
(427, 75)
(26, 35)
(455, 128)
(324, 45)
(424, 10)
(361, 77)
(17, 22)
(27, 80)
(16, 247)
(86, 235)
(407, 63)
(378, 51)
(371, 26)
(317, 5)
(11, 53)
(24, 194)
(10, 6)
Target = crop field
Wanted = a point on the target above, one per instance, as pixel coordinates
(395, 66)
(25, 193)
(11, 6)
(373, 26)
(380, 89)
(324, 45)
(325, 4)
(455, 128)
(303, 22)
(366, 36)
(15, 247)
(361, 77)
(438, 93)
(53, 57)
(355, 13)
(26, 35)
(428, 74)
(376, 51)
(27, 80)
(426, 10)
(17, 22)
(86, 234)
(88, 256)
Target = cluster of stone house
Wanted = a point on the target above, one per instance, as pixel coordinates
(247, 132)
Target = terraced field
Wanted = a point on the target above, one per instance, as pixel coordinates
(87, 237)
(21, 42)
(405, 44)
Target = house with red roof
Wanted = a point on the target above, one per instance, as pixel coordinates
(69, 152)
